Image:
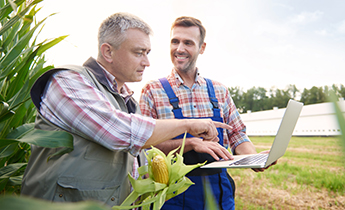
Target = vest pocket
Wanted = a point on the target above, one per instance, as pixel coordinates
(74, 190)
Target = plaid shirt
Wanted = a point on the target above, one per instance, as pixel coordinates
(195, 103)
(77, 106)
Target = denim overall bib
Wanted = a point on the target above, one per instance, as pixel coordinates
(223, 187)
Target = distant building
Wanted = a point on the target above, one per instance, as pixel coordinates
(315, 120)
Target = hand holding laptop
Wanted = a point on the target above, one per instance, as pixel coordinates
(247, 148)
(263, 169)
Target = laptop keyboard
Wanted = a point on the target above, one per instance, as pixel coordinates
(253, 159)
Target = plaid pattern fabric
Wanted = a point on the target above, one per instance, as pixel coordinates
(195, 103)
(125, 92)
(75, 105)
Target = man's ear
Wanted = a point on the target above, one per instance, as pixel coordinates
(202, 48)
(106, 50)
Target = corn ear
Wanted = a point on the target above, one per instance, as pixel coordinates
(160, 170)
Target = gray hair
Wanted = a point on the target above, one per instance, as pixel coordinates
(112, 29)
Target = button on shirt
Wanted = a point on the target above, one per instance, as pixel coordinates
(75, 105)
(195, 103)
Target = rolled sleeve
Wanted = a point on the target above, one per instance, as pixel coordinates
(75, 105)
(141, 129)
(238, 138)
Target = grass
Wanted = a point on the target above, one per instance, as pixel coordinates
(311, 175)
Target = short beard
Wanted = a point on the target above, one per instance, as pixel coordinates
(188, 68)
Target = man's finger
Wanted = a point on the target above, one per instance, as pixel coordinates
(216, 139)
(222, 125)
(265, 152)
(213, 155)
(225, 154)
(210, 134)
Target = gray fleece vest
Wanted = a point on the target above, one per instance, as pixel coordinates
(89, 172)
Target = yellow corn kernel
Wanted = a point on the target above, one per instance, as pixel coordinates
(160, 170)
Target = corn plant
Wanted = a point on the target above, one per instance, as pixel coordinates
(21, 63)
(150, 191)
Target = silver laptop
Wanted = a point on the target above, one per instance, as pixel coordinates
(278, 148)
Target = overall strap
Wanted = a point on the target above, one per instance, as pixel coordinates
(213, 99)
(193, 157)
(172, 98)
(174, 102)
(216, 110)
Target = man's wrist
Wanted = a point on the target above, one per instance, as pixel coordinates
(186, 124)
(193, 142)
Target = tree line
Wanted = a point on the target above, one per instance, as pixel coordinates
(260, 99)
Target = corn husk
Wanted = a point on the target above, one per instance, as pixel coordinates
(147, 192)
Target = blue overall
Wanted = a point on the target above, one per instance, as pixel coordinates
(223, 187)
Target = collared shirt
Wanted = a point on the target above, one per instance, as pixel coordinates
(77, 106)
(195, 103)
(125, 92)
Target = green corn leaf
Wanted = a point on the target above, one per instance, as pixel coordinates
(183, 143)
(39, 138)
(340, 119)
(8, 150)
(37, 72)
(5, 116)
(142, 171)
(145, 204)
(20, 113)
(21, 96)
(7, 9)
(3, 107)
(8, 171)
(3, 183)
(172, 153)
(146, 185)
(128, 201)
(13, 21)
(25, 203)
(15, 181)
(11, 36)
(21, 81)
(7, 142)
(46, 46)
(181, 185)
(16, 51)
(13, 5)
(21, 131)
(50, 139)
(183, 181)
(160, 199)
(211, 203)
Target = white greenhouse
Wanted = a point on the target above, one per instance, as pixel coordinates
(314, 120)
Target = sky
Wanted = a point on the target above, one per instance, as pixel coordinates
(262, 43)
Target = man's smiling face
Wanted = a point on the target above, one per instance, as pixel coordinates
(185, 47)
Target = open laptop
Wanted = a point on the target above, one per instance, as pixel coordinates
(278, 148)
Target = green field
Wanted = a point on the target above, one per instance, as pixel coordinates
(311, 175)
